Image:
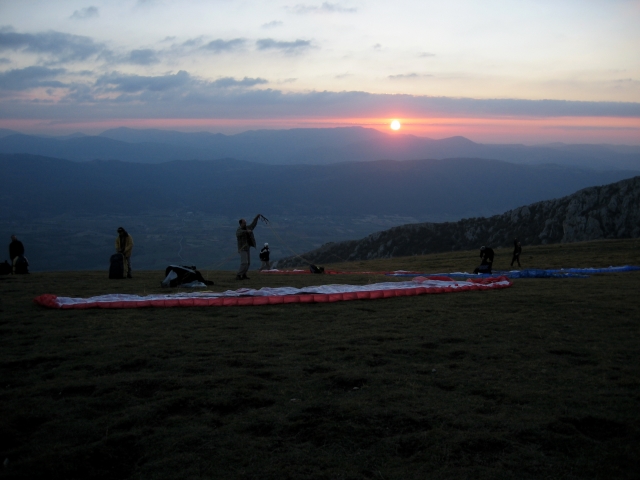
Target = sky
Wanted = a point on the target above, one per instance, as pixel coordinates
(496, 71)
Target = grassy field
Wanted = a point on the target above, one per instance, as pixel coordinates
(540, 380)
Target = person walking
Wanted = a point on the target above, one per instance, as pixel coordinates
(245, 240)
(517, 250)
(124, 245)
(264, 257)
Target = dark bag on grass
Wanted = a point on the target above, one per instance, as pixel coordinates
(5, 268)
(116, 267)
(176, 275)
(22, 265)
(314, 269)
(484, 268)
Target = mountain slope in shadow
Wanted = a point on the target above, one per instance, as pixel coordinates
(606, 212)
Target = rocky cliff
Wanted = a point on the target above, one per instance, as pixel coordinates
(609, 211)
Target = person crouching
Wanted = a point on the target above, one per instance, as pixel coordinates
(264, 257)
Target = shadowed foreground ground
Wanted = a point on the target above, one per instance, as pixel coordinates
(541, 380)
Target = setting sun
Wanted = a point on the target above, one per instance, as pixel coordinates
(395, 125)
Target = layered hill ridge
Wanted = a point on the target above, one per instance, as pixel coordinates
(430, 190)
(606, 212)
(311, 146)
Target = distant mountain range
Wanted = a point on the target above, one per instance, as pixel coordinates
(306, 146)
(610, 211)
(36, 186)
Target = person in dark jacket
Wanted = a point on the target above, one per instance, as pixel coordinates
(16, 248)
(124, 245)
(246, 240)
(264, 257)
(16, 251)
(517, 250)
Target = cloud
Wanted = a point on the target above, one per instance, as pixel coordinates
(118, 82)
(85, 13)
(63, 47)
(326, 7)
(426, 54)
(377, 46)
(142, 57)
(192, 42)
(181, 84)
(30, 77)
(220, 45)
(120, 95)
(408, 76)
(4, 61)
(287, 47)
(228, 82)
(273, 24)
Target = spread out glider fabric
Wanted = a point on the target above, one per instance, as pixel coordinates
(280, 295)
(530, 273)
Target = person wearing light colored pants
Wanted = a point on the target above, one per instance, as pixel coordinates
(246, 240)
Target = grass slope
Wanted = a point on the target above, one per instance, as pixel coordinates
(541, 380)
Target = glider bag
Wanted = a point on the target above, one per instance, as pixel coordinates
(21, 265)
(176, 275)
(116, 267)
(484, 268)
(5, 268)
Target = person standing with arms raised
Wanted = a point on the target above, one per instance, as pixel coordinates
(246, 240)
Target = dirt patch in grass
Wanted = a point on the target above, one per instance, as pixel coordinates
(541, 380)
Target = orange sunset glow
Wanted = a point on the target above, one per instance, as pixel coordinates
(494, 130)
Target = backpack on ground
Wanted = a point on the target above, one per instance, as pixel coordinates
(5, 268)
(183, 275)
(22, 265)
(314, 269)
(484, 268)
(117, 266)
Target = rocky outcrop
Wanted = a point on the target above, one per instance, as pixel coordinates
(610, 211)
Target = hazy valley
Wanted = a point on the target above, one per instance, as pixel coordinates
(66, 212)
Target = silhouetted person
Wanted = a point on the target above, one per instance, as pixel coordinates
(16, 254)
(517, 250)
(264, 257)
(486, 263)
(124, 245)
(246, 240)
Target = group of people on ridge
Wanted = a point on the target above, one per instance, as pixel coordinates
(487, 255)
(244, 237)
(245, 240)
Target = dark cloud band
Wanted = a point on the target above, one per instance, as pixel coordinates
(288, 47)
(63, 46)
(30, 77)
